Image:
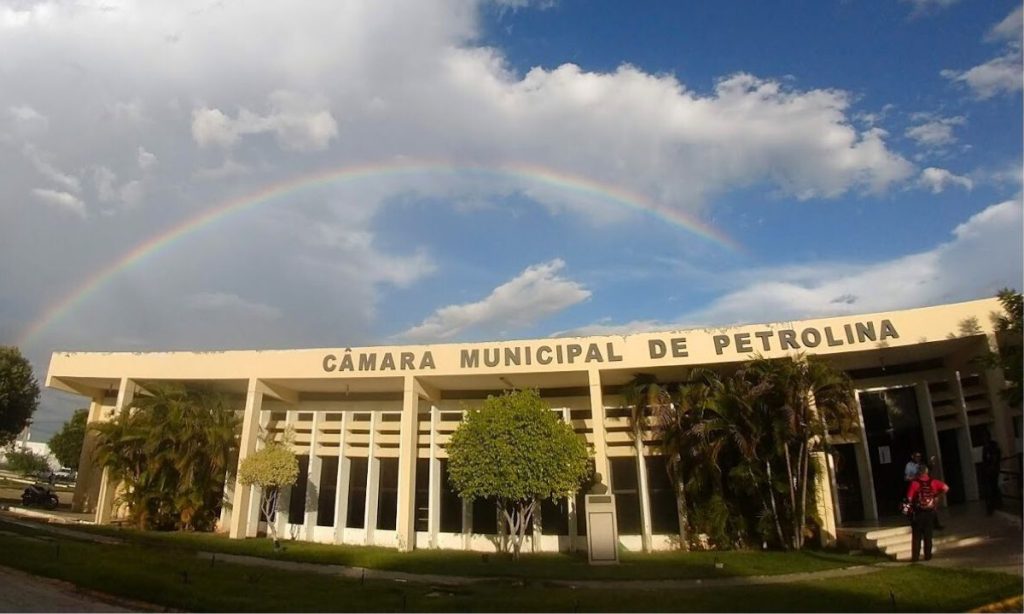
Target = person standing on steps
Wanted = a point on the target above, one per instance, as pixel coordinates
(923, 493)
(910, 471)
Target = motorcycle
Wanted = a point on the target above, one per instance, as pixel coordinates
(40, 496)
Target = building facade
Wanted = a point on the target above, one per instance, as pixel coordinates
(371, 424)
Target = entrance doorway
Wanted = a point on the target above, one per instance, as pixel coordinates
(851, 503)
(952, 472)
(892, 427)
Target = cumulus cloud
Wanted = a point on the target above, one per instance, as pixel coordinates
(984, 254)
(535, 294)
(61, 200)
(147, 160)
(298, 124)
(26, 121)
(1003, 73)
(934, 131)
(938, 179)
(42, 164)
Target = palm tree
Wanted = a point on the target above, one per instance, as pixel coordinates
(170, 451)
(800, 400)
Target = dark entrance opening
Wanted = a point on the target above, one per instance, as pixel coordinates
(851, 503)
(952, 473)
(892, 424)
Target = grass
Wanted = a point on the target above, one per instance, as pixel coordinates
(175, 578)
(562, 566)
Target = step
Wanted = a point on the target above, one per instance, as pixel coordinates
(938, 545)
(881, 533)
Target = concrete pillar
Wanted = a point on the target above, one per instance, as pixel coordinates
(645, 500)
(964, 442)
(312, 483)
(372, 481)
(931, 433)
(573, 529)
(434, 497)
(243, 495)
(108, 486)
(597, 422)
(824, 498)
(467, 524)
(408, 449)
(341, 500)
(87, 485)
(865, 475)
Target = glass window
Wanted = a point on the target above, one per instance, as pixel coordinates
(627, 495)
(554, 517)
(297, 501)
(485, 516)
(387, 494)
(662, 497)
(423, 494)
(451, 503)
(356, 493)
(328, 491)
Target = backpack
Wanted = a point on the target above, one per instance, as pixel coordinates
(926, 496)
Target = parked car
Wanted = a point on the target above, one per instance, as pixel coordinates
(65, 475)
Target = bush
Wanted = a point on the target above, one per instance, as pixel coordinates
(25, 462)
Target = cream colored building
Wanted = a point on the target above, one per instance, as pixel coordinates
(372, 423)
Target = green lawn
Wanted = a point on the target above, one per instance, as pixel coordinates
(635, 566)
(174, 577)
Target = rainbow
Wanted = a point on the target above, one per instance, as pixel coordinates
(531, 173)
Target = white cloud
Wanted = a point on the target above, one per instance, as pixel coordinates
(62, 200)
(26, 121)
(104, 179)
(42, 164)
(922, 7)
(984, 255)
(132, 192)
(1002, 74)
(934, 131)
(535, 294)
(298, 123)
(938, 179)
(147, 160)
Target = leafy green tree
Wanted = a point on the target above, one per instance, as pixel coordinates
(514, 448)
(66, 444)
(270, 469)
(1009, 327)
(25, 462)
(19, 393)
(171, 451)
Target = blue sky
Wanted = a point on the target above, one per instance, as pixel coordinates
(866, 156)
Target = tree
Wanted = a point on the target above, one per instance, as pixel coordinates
(25, 462)
(1010, 334)
(171, 451)
(514, 448)
(800, 400)
(270, 469)
(19, 393)
(66, 444)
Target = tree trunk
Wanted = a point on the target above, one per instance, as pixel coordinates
(681, 511)
(792, 494)
(775, 510)
(803, 494)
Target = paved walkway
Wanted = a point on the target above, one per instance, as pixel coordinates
(22, 592)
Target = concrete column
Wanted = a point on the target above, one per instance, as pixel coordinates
(312, 483)
(243, 495)
(281, 519)
(824, 497)
(964, 442)
(597, 421)
(372, 481)
(865, 475)
(341, 500)
(434, 497)
(408, 449)
(467, 524)
(571, 507)
(645, 500)
(931, 433)
(108, 486)
(87, 484)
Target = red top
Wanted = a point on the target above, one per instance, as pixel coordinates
(938, 487)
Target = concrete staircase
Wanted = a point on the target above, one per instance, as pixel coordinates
(896, 541)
